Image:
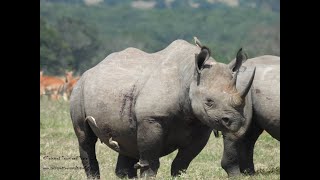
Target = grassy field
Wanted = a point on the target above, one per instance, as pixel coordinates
(59, 155)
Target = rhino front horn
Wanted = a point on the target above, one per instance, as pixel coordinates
(247, 88)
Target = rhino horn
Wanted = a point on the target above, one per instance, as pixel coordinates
(235, 99)
(245, 91)
(238, 98)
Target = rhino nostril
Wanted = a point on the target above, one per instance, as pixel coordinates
(226, 120)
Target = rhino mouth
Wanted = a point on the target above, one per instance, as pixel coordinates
(222, 124)
(228, 123)
(236, 133)
(232, 126)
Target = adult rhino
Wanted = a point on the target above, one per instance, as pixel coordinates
(145, 106)
(264, 102)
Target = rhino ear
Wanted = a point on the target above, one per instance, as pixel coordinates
(235, 64)
(201, 58)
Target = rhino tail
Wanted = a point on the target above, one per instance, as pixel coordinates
(91, 121)
(93, 125)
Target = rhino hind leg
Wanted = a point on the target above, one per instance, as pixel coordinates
(87, 141)
(125, 167)
(187, 154)
(150, 137)
(246, 149)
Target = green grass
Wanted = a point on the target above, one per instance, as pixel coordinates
(57, 140)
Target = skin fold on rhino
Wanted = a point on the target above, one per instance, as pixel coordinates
(145, 106)
(264, 98)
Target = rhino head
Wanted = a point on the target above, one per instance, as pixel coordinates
(214, 98)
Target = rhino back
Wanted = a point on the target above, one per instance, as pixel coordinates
(264, 60)
(265, 91)
(132, 75)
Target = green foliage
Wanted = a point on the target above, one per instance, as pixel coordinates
(79, 36)
(82, 40)
(55, 53)
(66, 43)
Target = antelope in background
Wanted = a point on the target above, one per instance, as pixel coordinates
(51, 86)
(70, 82)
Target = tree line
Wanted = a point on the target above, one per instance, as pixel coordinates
(76, 37)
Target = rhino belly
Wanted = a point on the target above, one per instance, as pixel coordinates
(116, 134)
(114, 117)
(266, 105)
(265, 95)
(126, 137)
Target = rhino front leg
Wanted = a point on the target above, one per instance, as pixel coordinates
(238, 154)
(150, 137)
(246, 149)
(230, 159)
(187, 154)
(125, 167)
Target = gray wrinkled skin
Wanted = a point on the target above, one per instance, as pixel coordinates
(265, 102)
(145, 106)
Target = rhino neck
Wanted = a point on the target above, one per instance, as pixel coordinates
(186, 73)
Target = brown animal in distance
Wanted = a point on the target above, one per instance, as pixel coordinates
(42, 89)
(51, 86)
(70, 83)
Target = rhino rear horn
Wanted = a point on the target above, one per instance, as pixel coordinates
(245, 91)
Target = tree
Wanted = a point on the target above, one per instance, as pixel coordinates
(82, 40)
(55, 53)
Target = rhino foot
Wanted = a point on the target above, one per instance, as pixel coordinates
(114, 144)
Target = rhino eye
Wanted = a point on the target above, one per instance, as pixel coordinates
(209, 102)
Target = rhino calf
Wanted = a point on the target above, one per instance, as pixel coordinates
(145, 106)
(264, 100)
